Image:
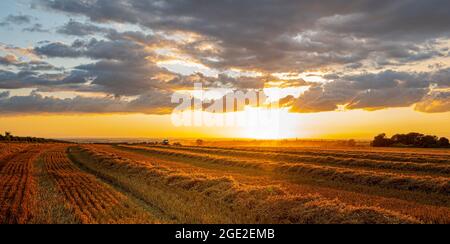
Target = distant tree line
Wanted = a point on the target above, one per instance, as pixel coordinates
(8, 137)
(411, 140)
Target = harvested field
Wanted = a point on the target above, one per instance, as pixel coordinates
(316, 169)
(41, 185)
(93, 184)
(441, 167)
(228, 201)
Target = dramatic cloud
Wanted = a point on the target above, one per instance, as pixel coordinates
(151, 103)
(384, 98)
(16, 20)
(122, 77)
(33, 79)
(58, 50)
(435, 102)
(75, 28)
(402, 19)
(128, 70)
(287, 35)
(364, 52)
(324, 98)
(8, 60)
(34, 65)
(36, 28)
(375, 91)
(4, 95)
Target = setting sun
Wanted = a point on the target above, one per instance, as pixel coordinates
(274, 124)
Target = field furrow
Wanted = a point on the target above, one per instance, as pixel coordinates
(91, 200)
(18, 188)
(427, 206)
(406, 156)
(224, 198)
(435, 184)
(8, 151)
(430, 168)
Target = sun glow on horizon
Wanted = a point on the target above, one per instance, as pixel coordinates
(283, 125)
(353, 124)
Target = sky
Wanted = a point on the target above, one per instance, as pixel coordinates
(336, 69)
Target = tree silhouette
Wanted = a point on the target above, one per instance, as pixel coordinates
(411, 140)
(382, 141)
(444, 142)
(8, 137)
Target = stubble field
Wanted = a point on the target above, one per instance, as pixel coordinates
(89, 184)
